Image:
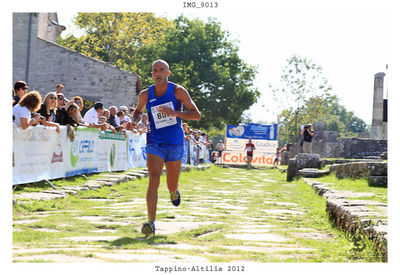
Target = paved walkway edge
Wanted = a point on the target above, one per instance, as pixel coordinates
(353, 216)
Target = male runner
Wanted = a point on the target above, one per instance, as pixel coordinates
(249, 148)
(163, 102)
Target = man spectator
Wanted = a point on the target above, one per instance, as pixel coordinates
(220, 148)
(92, 115)
(124, 109)
(131, 111)
(307, 134)
(20, 89)
(113, 120)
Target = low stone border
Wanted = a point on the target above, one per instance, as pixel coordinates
(347, 214)
(105, 180)
(376, 172)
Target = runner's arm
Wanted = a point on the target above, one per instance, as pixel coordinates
(183, 96)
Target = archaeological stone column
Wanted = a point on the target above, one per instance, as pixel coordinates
(377, 113)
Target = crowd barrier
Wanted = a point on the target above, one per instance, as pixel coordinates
(40, 153)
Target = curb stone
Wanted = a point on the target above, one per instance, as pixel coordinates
(345, 212)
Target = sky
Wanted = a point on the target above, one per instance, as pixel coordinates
(350, 46)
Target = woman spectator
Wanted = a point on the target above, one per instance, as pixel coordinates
(78, 101)
(29, 103)
(48, 109)
(20, 89)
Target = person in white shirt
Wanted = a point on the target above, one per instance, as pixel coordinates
(92, 115)
(30, 103)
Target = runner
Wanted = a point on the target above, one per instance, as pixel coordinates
(249, 148)
(276, 160)
(163, 102)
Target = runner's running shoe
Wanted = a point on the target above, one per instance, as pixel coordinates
(148, 228)
(175, 198)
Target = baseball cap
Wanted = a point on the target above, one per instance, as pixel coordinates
(123, 108)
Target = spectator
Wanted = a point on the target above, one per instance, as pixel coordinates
(29, 103)
(20, 89)
(78, 101)
(307, 134)
(106, 114)
(121, 116)
(220, 148)
(61, 110)
(113, 120)
(92, 115)
(214, 157)
(59, 88)
(103, 122)
(70, 119)
(124, 109)
(49, 107)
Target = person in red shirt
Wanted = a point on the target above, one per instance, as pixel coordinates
(249, 148)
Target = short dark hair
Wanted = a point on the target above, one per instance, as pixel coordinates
(60, 85)
(120, 113)
(98, 105)
(19, 84)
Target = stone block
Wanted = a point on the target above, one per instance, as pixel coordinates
(313, 173)
(377, 181)
(307, 161)
(292, 170)
(285, 155)
(378, 168)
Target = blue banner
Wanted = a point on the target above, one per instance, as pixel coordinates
(253, 131)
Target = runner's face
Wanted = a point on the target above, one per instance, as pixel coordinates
(160, 73)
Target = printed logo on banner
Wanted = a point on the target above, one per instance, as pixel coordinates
(74, 152)
(57, 154)
(112, 155)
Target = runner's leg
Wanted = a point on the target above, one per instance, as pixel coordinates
(155, 165)
(173, 170)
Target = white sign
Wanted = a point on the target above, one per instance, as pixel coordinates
(239, 144)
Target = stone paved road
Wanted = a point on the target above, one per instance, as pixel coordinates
(226, 215)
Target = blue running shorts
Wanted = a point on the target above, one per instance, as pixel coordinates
(168, 152)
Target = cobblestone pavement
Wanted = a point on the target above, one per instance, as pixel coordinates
(231, 215)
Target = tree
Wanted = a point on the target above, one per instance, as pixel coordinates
(207, 63)
(118, 38)
(301, 79)
(201, 56)
(324, 109)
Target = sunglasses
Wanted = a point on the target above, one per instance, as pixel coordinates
(24, 88)
(60, 97)
(78, 101)
(52, 97)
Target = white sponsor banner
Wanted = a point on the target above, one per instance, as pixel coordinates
(41, 153)
(136, 150)
(37, 154)
(235, 157)
(262, 145)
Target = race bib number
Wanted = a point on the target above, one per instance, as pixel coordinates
(249, 149)
(162, 120)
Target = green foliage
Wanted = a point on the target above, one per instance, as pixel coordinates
(305, 93)
(201, 56)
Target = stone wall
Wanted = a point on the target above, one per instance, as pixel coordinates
(51, 64)
(328, 145)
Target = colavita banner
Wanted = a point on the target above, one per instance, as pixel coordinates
(264, 137)
(234, 157)
(41, 153)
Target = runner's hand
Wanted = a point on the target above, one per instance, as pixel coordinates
(167, 111)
